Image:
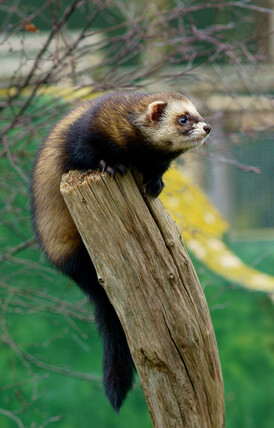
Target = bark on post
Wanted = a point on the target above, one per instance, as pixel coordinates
(144, 267)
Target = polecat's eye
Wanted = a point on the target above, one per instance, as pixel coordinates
(182, 120)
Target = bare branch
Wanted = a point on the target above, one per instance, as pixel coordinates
(12, 416)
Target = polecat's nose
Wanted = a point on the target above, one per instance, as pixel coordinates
(207, 128)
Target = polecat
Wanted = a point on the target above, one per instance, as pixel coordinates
(110, 133)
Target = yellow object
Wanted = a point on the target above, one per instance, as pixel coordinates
(202, 228)
(69, 94)
(200, 223)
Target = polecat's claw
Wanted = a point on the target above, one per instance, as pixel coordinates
(121, 168)
(111, 170)
(102, 165)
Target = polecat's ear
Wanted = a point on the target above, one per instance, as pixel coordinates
(155, 110)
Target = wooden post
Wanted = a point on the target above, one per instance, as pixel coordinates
(145, 269)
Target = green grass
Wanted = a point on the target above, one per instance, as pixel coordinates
(243, 323)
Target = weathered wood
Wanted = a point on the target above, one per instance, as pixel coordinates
(145, 269)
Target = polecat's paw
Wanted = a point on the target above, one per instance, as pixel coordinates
(154, 187)
(111, 170)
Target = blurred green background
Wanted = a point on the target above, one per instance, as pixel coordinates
(50, 352)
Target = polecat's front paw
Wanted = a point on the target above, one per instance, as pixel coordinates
(111, 170)
(154, 186)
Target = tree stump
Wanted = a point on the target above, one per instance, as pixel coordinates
(144, 267)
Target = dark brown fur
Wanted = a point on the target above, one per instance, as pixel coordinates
(112, 132)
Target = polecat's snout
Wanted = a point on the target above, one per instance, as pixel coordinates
(207, 128)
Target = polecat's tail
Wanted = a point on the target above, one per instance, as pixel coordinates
(118, 366)
(117, 361)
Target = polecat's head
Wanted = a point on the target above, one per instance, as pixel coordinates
(172, 123)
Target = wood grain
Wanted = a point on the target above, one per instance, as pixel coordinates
(144, 267)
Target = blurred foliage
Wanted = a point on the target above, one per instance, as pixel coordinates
(117, 12)
(203, 230)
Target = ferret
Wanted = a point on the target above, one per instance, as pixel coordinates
(110, 133)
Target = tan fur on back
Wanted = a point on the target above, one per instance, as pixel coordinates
(57, 232)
